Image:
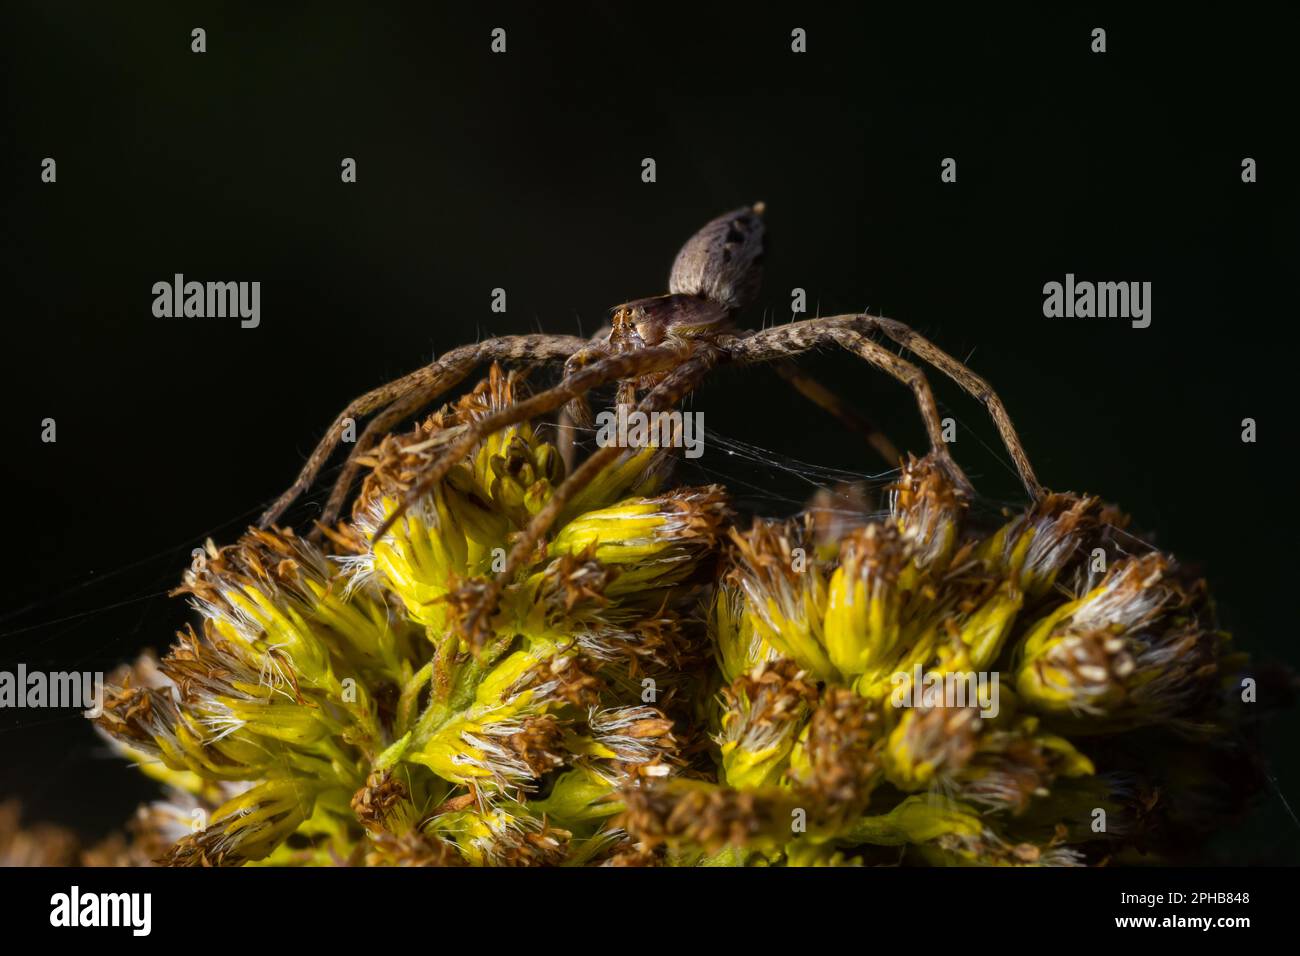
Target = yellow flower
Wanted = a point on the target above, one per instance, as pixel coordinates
(652, 542)
(657, 687)
(1135, 649)
(763, 714)
(785, 592)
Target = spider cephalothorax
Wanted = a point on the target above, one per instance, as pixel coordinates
(652, 321)
(656, 350)
(717, 272)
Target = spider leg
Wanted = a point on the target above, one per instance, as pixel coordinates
(824, 398)
(785, 340)
(912, 376)
(974, 385)
(380, 425)
(430, 381)
(666, 394)
(613, 368)
(577, 412)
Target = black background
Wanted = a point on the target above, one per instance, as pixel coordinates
(523, 171)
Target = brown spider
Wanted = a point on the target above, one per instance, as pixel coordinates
(664, 346)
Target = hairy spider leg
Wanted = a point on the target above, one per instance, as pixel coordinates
(973, 385)
(481, 598)
(576, 413)
(378, 426)
(911, 376)
(431, 381)
(614, 368)
(783, 341)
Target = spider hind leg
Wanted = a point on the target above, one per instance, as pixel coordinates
(779, 343)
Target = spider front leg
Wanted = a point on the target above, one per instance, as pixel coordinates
(428, 383)
(479, 601)
(778, 344)
(379, 426)
(577, 412)
(615, 368)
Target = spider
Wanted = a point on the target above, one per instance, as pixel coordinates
(662, 346)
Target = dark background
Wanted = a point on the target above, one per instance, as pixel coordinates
(523, 171)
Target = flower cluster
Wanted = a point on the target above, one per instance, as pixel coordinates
(919, 683)
(912, 689)
(329, 710)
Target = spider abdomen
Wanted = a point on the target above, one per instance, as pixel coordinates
(723, 261)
